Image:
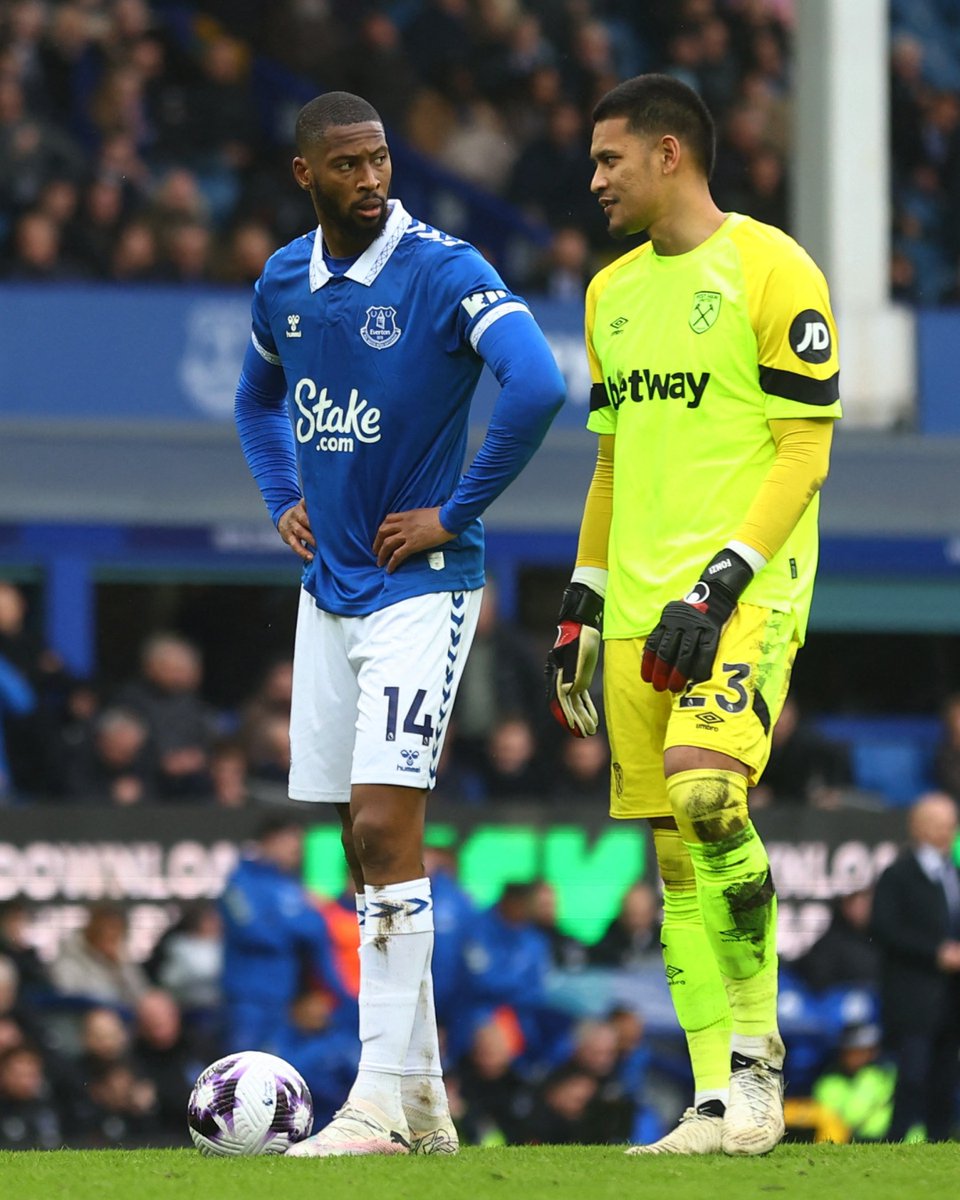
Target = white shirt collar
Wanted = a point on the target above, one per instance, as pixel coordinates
(932, 862)
(372, 261)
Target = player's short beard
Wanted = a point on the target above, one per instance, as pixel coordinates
(331, 217)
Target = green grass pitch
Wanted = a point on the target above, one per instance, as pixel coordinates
(514, 1173)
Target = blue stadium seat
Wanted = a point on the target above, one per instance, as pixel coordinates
(895, 769)
(892, 755)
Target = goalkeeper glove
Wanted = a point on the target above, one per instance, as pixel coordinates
(573, 660)
(683, 646)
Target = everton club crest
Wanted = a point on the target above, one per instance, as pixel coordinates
(380, 330)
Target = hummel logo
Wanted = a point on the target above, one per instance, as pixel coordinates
(293, 320)
(618, 325)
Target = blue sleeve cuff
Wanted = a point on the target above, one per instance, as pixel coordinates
(260, 413)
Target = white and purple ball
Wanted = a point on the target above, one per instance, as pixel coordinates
(249, 1103)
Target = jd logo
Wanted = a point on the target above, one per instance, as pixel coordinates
(810, 336)
(706, 309)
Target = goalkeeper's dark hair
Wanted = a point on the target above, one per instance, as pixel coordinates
(659, 104)
(328, 111)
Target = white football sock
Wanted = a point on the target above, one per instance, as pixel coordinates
(424, 1096)
(396, 945)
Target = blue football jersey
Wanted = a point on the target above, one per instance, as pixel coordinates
(381, 364)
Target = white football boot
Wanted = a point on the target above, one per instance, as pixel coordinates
(754, 1119)
(697, 1133)
(357, 1128)
(439, 1139)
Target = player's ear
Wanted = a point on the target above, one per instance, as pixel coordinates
(669, 149)
(301, 173)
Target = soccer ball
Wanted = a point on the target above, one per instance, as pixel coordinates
(249, 1103)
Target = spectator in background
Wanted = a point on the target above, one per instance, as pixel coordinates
(453, 916)
(182, 726)
(95, 233)
(325, 1049)
(113, 767)
(858, 1085)
(249, 246)
(188, 252)
(584, 777)
(501, 676)
(563, 1112)
(29, 1116)
(508, 961)
(104, 1040)
(30, 677)
(94, 963)
(122, 1111)
(187, 961)
(566, 268)
(34, 979)
(805, 767)
(632, 939)
(135, 257)
(496, 1099)
(38, 251)
(596, 1052)
(275, 940)
(513, 770)
(916, 923)
(229, 775)
(947, 762)
(846, 955)
(163, 1053)
(270, 702)
(566, 952)
(17, 699)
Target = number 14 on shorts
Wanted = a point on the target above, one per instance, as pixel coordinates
(411, 722)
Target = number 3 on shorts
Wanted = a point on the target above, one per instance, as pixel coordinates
(410, 723)
(737, 672)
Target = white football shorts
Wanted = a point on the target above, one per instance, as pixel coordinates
(372, 695)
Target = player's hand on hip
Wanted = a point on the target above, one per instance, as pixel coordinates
(684, 644)
(294, 528)
(573, 660)
(405, 533)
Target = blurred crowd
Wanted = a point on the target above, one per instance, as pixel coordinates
(150, 735)
(99, 1050)
(137, 146)
(925, 132)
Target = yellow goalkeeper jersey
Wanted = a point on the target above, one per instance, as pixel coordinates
(691, 355)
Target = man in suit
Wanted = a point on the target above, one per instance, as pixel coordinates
(916, 923)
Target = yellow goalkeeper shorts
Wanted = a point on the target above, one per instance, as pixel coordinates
(733, 712)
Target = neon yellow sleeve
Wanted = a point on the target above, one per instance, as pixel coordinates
(598, 509)
(797, 474)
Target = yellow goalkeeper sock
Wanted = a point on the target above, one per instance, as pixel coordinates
(735, 890)
(696, 987)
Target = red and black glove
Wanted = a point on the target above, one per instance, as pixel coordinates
(573, 660)
(683, 646)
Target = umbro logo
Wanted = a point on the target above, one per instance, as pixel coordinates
(672, 974)
(709, 718)
(618, 325)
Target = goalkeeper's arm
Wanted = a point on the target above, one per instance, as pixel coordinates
(573, 659)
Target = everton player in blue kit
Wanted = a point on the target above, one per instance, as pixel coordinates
(369, 336)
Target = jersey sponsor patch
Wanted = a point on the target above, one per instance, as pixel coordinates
(380, 330)
(810, 336)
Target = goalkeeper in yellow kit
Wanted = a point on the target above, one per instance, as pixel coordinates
(713, 355)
